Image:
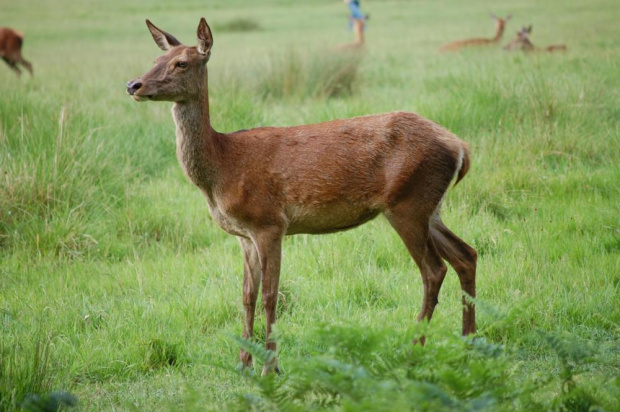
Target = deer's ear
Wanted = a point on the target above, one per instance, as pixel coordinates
(529, 29)
(164, 40)
(493, 16)
(508, 17)
(205, 38)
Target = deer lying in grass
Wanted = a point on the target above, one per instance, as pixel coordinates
(11, 42)
(265, 183)
(500, 25)
(522, 42)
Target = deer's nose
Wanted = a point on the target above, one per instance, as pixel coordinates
(133, 86)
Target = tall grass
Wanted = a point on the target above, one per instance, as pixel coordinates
(53, 182)
(25, 368)
(306, 76)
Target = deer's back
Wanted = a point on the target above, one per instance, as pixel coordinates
(456, 45)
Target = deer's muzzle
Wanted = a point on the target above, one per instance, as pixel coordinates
(133, 86)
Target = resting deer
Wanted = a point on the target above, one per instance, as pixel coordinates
(522, 42)
(500, 25)
(11, 42)
(265, 183)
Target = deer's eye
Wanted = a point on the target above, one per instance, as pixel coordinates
(181, 64)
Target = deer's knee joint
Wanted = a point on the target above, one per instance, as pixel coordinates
(270, 299)
(473, 255)
(249, 301)
(440, 274)
(466, 266)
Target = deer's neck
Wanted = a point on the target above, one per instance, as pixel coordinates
(498, 33)
(197, 142)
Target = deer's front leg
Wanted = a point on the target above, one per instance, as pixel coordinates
(251, 283)
(269, 245)
(13, 66)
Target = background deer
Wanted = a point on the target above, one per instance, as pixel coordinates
(522, 42)
(11, 42)
(500, 25)
(264, 183)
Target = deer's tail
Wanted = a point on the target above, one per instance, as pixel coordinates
(464, 163)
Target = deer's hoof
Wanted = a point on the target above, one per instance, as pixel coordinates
(420, 341)
(246, 359)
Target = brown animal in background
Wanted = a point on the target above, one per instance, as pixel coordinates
(522, 42)
(11, 42)
(265, 183)
(500, 25)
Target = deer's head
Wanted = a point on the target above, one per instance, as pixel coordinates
(500, 24)
(522, 40)
(178, 75)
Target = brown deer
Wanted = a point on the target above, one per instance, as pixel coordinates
(522, 42)
(500, 25)
(11, 42)
(265, 183)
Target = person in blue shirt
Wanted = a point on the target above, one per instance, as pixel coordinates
(357, 20)
(354, 8)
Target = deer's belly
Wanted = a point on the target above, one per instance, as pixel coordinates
(327, 219)
(334, 217)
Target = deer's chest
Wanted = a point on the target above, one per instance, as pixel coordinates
(225, 220)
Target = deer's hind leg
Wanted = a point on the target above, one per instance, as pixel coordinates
(462, 258)
(412, 225)
(27, 65)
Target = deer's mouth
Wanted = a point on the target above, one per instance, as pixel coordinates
(142, 97)
(135, 88)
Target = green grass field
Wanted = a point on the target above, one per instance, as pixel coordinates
(116, 285)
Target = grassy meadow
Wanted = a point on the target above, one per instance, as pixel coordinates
(119, 292)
